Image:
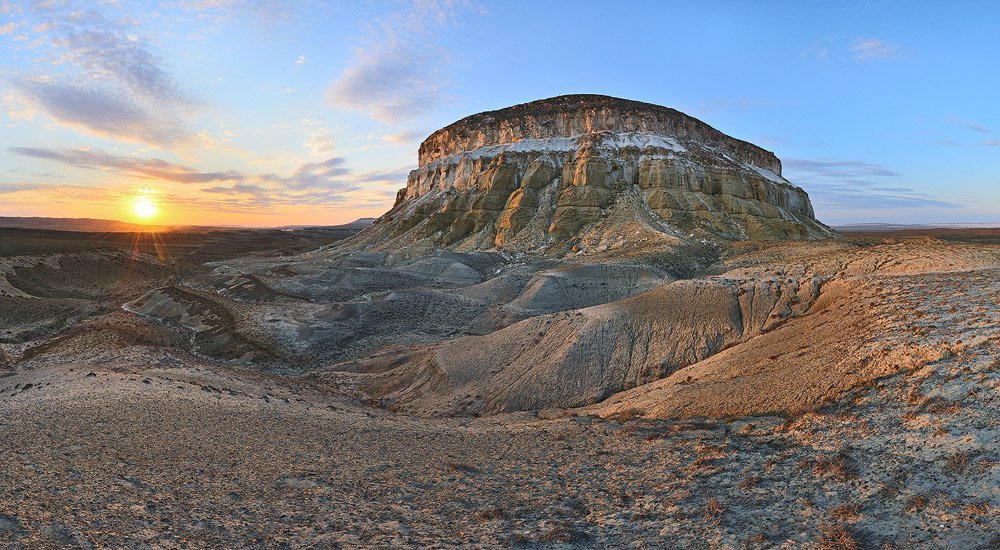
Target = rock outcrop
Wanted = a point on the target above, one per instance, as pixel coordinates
(552, 173)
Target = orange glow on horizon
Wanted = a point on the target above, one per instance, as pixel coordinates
(131, 204)
(144, 207)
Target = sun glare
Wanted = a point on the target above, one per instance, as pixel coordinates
(144, 208)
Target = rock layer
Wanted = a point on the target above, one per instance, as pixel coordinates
(545, 174)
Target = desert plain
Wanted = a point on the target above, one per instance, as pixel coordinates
(261, 389)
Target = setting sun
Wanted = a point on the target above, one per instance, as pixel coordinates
(144, 207)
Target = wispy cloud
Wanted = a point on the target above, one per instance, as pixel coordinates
(406, 137)
(875, 49)
(312, 183)
(852, 185)
(943, 142)
(101, 111)
(314, 175)
(992, 143)
(320, 139)
(261, 14)
(397, 73)
(104, 78)
(836, 168)
(18, 187)
(974, 126)
(391, 82)
(389, 177)
(148, 168)
(107, 51)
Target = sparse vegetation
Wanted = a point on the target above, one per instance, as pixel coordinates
(916, 503)
(837, 466)
(845, 512)
(713, 510)
(957, 463)
(837, 537)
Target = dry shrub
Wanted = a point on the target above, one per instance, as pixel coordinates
(837, 466)
(983, 465)
(917, 502)
(837, 537)
(462, 468)
(486, 514)
(564, 532)
(914, 396)
(973, 511)
(625, 415)
(957, 463)
(802, 409)
(939, 405)
(748, 482)
(713, 510)
(845, 512)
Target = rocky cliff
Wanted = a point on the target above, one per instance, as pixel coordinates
(580, 171)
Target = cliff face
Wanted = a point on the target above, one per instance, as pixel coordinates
(578, 115)
(559, 172)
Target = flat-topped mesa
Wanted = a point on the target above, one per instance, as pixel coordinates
(589, 172)
(579, 114)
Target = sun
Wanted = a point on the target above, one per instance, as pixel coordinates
(144, 207)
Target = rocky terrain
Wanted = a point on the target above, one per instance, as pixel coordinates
(582, 172)
(643, 380)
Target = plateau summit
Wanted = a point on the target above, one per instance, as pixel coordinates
(590, 173)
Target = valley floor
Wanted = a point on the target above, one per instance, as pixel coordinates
(114, 433)
(170, 456)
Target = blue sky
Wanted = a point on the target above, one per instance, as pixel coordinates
(261, 112)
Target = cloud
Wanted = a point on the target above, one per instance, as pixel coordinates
(836, 168)
(300, 60)
(390, 83)
(312, 183)
(992, 143)
(104, 78)
(101, 111)
(826, 198)
(392, 177)
(262, 14)
(150, 168)
(7, 28)
(321, 139)
(853, 185)
(110, 53)
(314, 174)
(405, 137)
(14, 187)
(943, 142)
(397, 74)
(875, 49)
(974, 126)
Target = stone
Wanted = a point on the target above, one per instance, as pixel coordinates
(544, 175)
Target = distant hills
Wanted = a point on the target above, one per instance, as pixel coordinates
(875, 227)
(357, 224)
(92, 225)
(89, 225)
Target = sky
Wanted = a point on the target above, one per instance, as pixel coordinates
(268, 113)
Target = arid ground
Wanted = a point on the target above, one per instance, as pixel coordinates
(264, 389)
